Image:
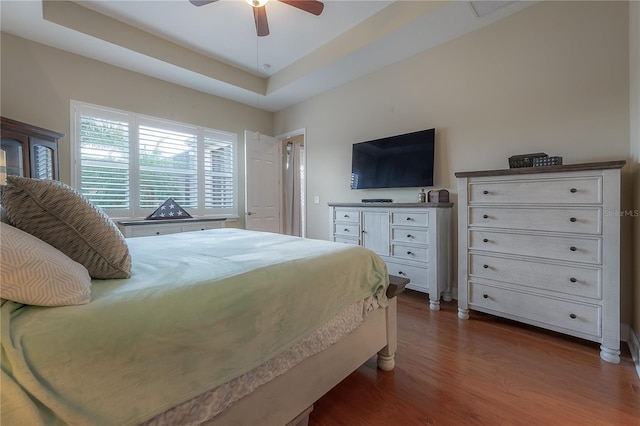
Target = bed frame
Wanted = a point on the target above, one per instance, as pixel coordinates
(288, 399)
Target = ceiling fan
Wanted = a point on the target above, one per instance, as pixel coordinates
(260, 13)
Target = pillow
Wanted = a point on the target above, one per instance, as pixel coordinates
(34, 273)
(3, 215)
(58, 215)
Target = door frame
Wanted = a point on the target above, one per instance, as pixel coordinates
(303, 211)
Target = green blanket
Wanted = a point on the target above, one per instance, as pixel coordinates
(200, 308)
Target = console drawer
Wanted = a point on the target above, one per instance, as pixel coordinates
(579, 190)
(538, 310)
(409, 235)
(417, 253)
(347, 229)
(346, 215)
(409, 218)
(416, 275)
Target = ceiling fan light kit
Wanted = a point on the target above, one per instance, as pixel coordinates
(257, 3)
(260, 12)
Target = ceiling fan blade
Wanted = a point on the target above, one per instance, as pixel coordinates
(311, 6)
(201, 2)
(262, 26)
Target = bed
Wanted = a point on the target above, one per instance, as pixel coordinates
(221, 327)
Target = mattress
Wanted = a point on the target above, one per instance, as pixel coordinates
(200, 310)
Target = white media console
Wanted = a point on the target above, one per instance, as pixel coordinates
(414, 239)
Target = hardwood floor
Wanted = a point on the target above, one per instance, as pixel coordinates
(483, 371)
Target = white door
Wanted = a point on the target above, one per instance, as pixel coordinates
(375, 232)
(262, 182)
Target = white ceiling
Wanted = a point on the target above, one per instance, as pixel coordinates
(214, 48)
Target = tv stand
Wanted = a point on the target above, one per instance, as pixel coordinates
(414, 240)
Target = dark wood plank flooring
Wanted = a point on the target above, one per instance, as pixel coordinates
(483, 371)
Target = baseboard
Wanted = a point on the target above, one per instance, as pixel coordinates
(634, 348)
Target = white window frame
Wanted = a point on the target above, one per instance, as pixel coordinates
(135, 211)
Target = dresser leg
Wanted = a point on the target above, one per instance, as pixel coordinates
(610, 355)
(463, 313)
(434, 305)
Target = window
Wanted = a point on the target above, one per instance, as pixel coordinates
(129, 164)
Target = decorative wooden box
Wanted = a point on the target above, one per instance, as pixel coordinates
(439, 196)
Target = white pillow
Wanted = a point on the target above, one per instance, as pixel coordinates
(34, 273)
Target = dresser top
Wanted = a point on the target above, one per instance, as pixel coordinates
(392, 205)
(546, 169)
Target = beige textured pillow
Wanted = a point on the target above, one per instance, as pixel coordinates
(34, 273)
(60, 216)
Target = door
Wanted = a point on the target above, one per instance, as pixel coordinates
(262, 182)
(375, 231)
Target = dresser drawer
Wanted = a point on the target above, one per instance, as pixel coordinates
(582, 281)
(201, 226)
(539, 310)
(570, 248)
(347, 229)
(346, 215)
(409, 235)
(148, 230)
(586, 220)
(409, 218)
(417, 253)
(583, 190)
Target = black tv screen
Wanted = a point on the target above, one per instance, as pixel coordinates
(395, 162)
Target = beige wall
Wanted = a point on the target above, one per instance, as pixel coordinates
(552, 78)
(39, 82)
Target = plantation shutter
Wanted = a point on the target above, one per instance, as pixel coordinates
(129, 164)
(168, 167)
(104, 161)
(219, 173)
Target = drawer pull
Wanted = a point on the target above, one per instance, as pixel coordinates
(409, 252)
(573, 280)
(202, 229)
(485, 240)
(573, 219)
(346, 229)
(409, 236)
(485, 266)
(485, 216)
(157, 232)
(573, 248)
(573, 316)
(346, 215)
(401, 273)
(409, 218)
(573, 190)
(485, 192)
(486, 296)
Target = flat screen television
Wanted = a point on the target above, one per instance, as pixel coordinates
(395, 162)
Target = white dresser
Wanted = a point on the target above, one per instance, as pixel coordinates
(144, 228)
(541, 245)
(414, 240)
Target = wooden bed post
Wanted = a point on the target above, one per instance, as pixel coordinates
(386, 356)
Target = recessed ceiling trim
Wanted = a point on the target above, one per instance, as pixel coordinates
(84, 20)
(376, 27)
